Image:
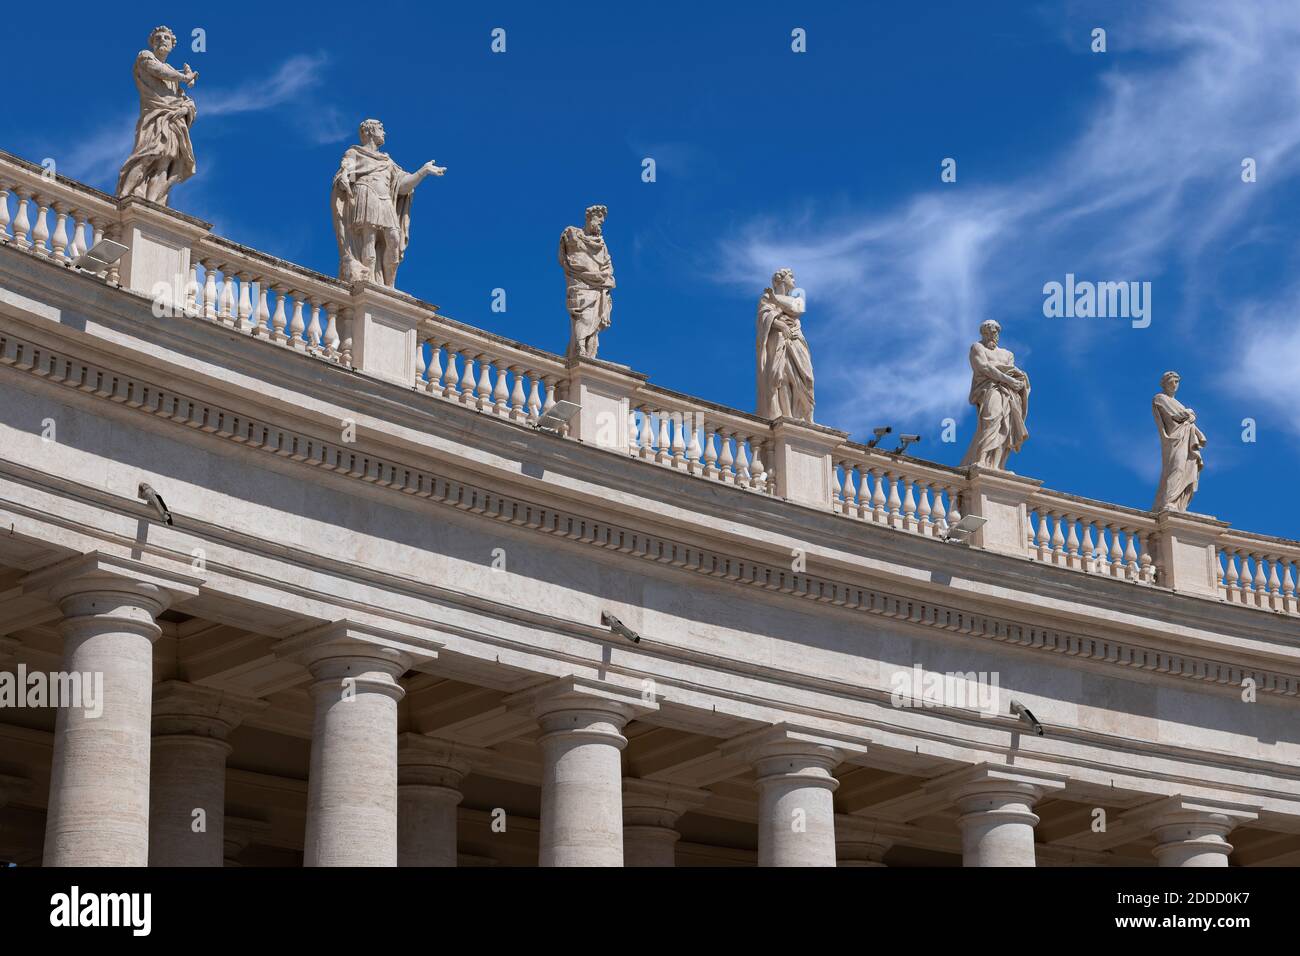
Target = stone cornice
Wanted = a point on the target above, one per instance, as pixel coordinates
(355, 463)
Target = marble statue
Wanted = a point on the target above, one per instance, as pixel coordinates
(589, 275)
(163, 155)
(1001, 393)
(1180, 447)
(371, 206)
(785, 374)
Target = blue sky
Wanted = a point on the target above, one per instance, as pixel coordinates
(1115, 166)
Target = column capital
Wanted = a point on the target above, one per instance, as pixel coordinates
(583, 694)
(863, 841)
(436, 762)
(98, 571)
(784, 741)
(1190, 830)
(348, 649)
(181, 708)
(653, 803)
(983, 783)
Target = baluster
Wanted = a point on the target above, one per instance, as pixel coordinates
(895, 503)
(21, 225)
(5, 235)
(1088, 552)
(467, 377)
(78, 247)
(332, 340)
(534, 399)
(727, 461)
(209, 290)
(345, 337)
(742, 462)
(1058, 538)
(939, 512)
(1072, 542)
(852, 501)
(280, 320)
(298, 324)
(226, 303)
(1233, 576)
(517, 396)
(60, 232)
(837, 490)
(484, 381)
(314, 331)
(245, 303)
(909, 504)
(757, 466)
(1130, 554)
(954, 515)
(41, 231)
(433, 370)
(664, 452)
(420, 365)
(451, 378)
(548, 389)
(1116, 553)
(646, 438)
(710, 453)
(1274, 585)
(693, 450)
(923, 523)
(1261, 582)
(190, 293)
(501, 392)
(877, 494)
(679, 443)
(1042, 542)
(1288, 588)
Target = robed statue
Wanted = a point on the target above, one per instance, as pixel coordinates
(589, 277)
(1180, 448)
(371, 205)
(163, 155)
(1001, 393)
(784, 373)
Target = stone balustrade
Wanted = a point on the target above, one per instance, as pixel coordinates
(188, 273)
(1091, 536)
(895, 491)
(701, 439)
(51, 217)
(485, 372)
(1258, 572)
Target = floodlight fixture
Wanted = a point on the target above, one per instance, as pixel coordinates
(100, 256)
(558, 416)
(961, 532)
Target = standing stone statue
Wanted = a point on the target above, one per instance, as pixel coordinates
(163, 155)
(1180, 448)
(1001, 393)
(785, 374)
(371, 205)
(590, 278)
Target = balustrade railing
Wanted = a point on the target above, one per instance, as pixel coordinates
(895, 491)
(701, 439)
(283, 304)
(1258, 572)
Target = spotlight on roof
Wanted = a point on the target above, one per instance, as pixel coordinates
(1026, 716)
(559, 415)
(961, 532)
(879, 433)
(904, 441)
(618, 627)
(155, 501)
(100, 256)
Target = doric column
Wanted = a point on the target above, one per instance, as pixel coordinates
(582, 779)
(429, 773)
(996, 812)
(796, 810)
(98, 812)
(187, 788)
(860, 842)
(1190, 831)
(352, 784)
(650, 812)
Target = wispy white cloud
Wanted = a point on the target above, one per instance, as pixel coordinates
(297, 75)
(896, 294)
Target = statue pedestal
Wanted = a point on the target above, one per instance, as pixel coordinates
(382, 325)
(158, 242)
(1185, 552)
(604, 390)
(1001, 497)
(802, 461)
